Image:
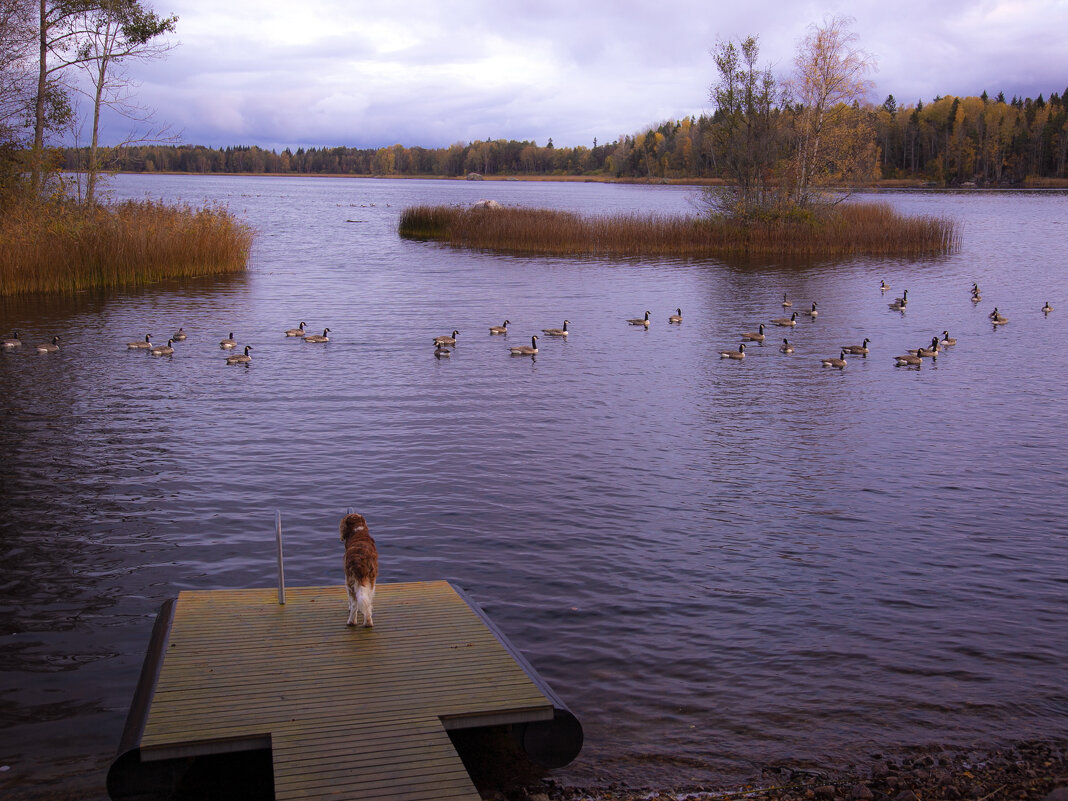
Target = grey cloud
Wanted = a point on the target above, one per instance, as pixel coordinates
(424, 73)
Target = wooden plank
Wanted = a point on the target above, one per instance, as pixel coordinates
(422, 759)
(484, 655)
(294, 693)
(224, 727)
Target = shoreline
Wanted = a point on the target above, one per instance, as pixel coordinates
(889, 183)
(1030, 770)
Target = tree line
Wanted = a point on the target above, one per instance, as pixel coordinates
(952, 140)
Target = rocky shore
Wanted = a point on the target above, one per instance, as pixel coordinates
(1026, 771)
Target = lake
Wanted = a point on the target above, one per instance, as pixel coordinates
(722, 566)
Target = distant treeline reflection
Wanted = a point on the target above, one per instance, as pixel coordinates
(951, 140)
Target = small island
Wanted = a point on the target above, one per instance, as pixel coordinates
(847, 229)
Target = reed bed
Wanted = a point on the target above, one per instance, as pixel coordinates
(67, 247)
(848, 229)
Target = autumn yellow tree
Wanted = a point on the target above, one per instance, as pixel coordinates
(835, 143)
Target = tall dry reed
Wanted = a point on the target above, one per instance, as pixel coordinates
(848, 229)
(66, 247)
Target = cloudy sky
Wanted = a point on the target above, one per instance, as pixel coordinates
(369, 74)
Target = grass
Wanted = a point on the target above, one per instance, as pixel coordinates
(847, 229)
(66, 247)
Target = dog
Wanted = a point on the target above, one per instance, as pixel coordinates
(361, 568)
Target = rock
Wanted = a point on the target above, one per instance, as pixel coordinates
(861, 792)
(906, 795)
(825, 792)
(1060, 794)
(485, 204)
(474, 176)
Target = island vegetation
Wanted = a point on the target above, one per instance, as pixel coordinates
(55, 234)
(867, 228)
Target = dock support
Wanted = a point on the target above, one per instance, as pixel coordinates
(281, 570)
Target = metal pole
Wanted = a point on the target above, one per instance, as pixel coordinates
(281, 571)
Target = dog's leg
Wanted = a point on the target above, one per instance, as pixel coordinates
(352, 606)
(366, 596)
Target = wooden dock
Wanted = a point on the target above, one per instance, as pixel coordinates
(347, 713)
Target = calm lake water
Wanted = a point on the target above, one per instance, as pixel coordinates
(721, 566)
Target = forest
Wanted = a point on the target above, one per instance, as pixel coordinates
(948, 141)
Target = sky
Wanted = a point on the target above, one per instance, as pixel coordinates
(324, 73)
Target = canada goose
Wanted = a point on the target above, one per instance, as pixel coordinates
(994, 314)
(139, 344)
(908, 360)
(947, 340)
(228, 343)
(499, 329)
(840, 362)
(791, 320)
(49, 347)
(179, 335)
(750, 336)
(526, 350)
(441, 352)
(975, 288)
(644, 321)
(884, 286)
(318, 337)
(899, 304)
(733, 354)
(163, 350)
(786, 303)
(1047, 308)
(556, 332)
(14, 342)
(676, 317)
(999, 320)
(444, 339)
(239, 358)
(904, 299)
(977, 298)
(786, 347)
(861, 349)
(811, 312)
(296, 332)
(930, 350)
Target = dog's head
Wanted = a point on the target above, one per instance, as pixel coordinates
(353, 524)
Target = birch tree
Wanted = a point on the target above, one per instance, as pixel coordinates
(830, 78)
(116, 32)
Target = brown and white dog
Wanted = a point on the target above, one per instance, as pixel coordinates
(361, 568)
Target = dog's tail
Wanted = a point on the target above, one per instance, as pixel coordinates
(365, 599)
